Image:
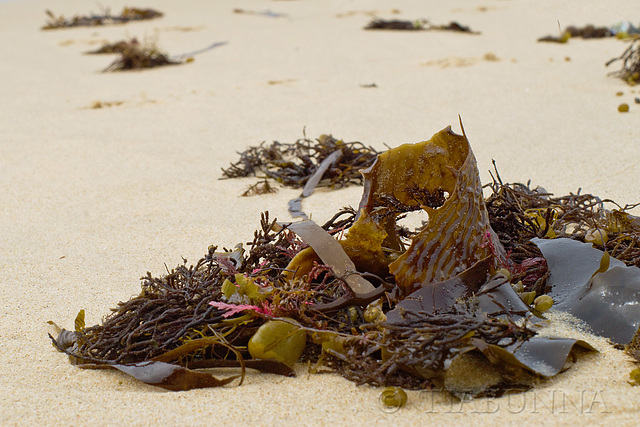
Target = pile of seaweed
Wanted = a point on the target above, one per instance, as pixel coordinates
(295, 163)
(106, 18)
(362, 296)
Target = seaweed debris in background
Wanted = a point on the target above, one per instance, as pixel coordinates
(294, 164)
(630, 71)
(127, 14)
(419, 25)
(457, 302)
(136, 56)
(586, 32)
(395, 24)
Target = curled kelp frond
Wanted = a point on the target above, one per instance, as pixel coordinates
(441, 177)
(106, 18)
(630, 71)
(294, 164)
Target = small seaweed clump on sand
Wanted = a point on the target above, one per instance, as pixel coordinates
(395, 24)
(454, 304)
(586, 32)
(630, 71)
(127, 14)
(136, 56)
(419, 25)
(294, 164)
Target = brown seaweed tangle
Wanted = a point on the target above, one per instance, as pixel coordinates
(630, 71)
(440, 176)
(135, 56)
(294, 164)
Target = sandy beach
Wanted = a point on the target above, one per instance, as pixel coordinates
(94, 198)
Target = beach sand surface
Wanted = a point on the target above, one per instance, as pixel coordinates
(93, 198)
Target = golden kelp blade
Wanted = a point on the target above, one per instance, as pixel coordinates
(458, 233)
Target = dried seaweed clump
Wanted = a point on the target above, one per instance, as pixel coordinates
(136, 56)
(294, 164)
(630, 71)
(127, 14)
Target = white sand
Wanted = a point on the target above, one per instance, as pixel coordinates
(92, 199)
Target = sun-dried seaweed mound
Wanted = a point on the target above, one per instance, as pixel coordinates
(136, 56)
(294, 164)
(127, 14)
(630, 71)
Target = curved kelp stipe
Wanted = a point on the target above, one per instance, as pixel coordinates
(605, 297)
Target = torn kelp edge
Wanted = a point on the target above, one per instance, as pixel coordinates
(608, 301)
